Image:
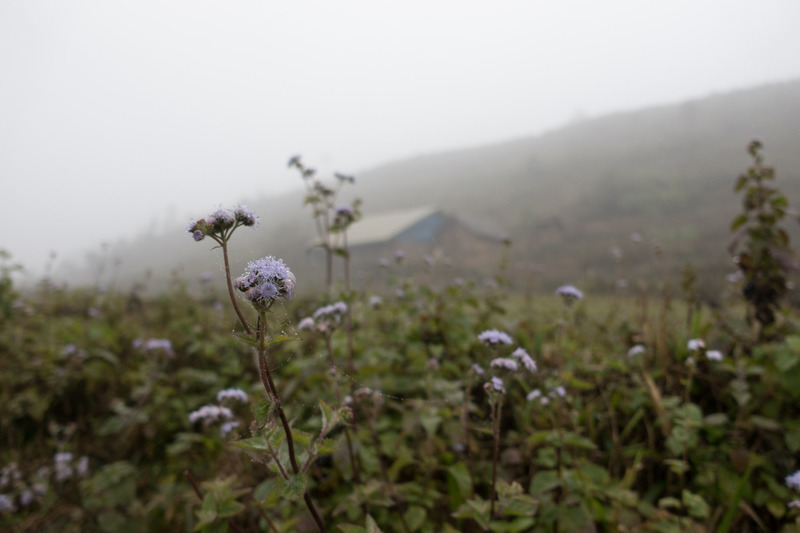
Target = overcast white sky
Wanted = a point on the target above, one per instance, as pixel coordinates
(115, 112)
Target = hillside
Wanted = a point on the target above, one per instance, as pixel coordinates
(568, 195)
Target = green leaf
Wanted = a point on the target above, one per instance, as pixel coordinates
(327, 415)
(738, 222)
(351, 528)
(696, 505)
(477, 509)
(765, 423)
(669, 503)
(293, 488)
(741, 181)
(544, 480)
(277, 339)
(415, 517)
(258, 444)
(371, 526)
(459, 484)
(521, 505)
(264, 489)
(205, 517)
(716, 419)
(571, 439)
(786, 360)
(430, 420)
(228, 508)
(261, 411)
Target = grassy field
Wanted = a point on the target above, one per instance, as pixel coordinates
(98, 388)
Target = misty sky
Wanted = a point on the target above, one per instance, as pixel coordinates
(113, 113)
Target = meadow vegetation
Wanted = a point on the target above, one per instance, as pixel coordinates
(247, 404)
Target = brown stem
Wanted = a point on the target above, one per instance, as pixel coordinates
(353, 463)
(269, 384)
(247, 327)
(348, 324)
(467, 443)
(496, 411)
(270, 525)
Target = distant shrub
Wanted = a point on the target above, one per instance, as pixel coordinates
(760, 244)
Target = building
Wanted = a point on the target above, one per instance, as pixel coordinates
(426, 232)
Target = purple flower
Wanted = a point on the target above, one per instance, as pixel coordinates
(26, 497)
(344, 177)
(636, 350)
(198, 235)
(233, 393)
(477, 369)
(493, 336)
(332, 311)
(532, 395)
(62, 465)
(504, 362)
(526, 360)
(375, 301)
(793, 481)
(345, 211)
(735, 277)
(244, 216)
(265, 281)
(154, 344)
(714, 355)
(344, 215)
(306, 324)
(569, 293)
(227, 427)
(83, 466)
(6, 504)
(294, 161)
(210, 413)
(696, 345)
(496, 384)
(221, 219)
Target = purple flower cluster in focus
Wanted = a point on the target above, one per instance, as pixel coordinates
(265, 281)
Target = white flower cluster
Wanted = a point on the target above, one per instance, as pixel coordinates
(210, 413)
(555, 392)
(154, 344)
(232, 393)
(699, 345)
(519, 356)
(324, 319)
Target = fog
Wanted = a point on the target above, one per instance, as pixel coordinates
(116, 117)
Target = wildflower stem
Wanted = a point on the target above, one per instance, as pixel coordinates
(465, 425)
(496, 412)
(247, 328)
(269, 384)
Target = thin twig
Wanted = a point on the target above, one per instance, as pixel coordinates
(269, 384)
(247, 327)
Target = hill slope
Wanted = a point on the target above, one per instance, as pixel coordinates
(566, 196)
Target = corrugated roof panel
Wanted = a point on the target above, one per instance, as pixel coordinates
(385, 226)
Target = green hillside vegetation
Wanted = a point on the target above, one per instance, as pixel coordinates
(564, 197)
(256, 403)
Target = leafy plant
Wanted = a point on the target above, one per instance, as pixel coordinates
(760, 244)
